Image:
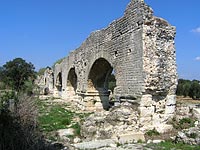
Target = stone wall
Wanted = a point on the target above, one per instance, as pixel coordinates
(139, 49)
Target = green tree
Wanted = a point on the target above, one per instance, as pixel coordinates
(183, 87)
(15, 73)
(195, 90)
(186, 89)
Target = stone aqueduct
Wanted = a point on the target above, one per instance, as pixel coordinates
(138, 48)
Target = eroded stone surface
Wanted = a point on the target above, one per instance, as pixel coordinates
(139, 48)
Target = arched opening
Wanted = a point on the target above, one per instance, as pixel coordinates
(99, 79)
(72, 82)
(59, 82)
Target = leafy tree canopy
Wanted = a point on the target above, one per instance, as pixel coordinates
(188, 88)
(16, 72)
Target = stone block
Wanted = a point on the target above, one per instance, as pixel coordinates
(147, 111)
(163, 128)
(65, 132)
(146, 101)
(146, 121)
(158, 119)
(170, 109)
(196, 113)
(94, 144)
(131, 137)
(171, 100)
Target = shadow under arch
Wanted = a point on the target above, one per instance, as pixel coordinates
(98, 81)
(72, 82)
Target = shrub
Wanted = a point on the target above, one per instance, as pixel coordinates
(77, 129)
(20, 127)
(152, 132)
(186, 123)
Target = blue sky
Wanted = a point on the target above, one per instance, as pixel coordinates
(43, 31)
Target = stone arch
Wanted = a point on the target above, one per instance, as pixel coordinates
(59, 82)
(72, 82)
(98, 81)
(98, 75)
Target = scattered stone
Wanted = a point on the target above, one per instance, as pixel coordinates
(145, 92)
(157, 141)
(131, 137)
(189, 136)
(65, 132)
(196, 113)
(77, 140)
(94, 144)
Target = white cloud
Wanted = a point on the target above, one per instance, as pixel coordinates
(197, 58)
(197, 30)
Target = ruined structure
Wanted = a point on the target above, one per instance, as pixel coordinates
(139, 49)
(45, 81)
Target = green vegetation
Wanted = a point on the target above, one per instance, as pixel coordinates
(77, 129)
(5, 96)
(16, 72)
(58, 116)
(18, 112)
(183, 123)
(58, 62)
(139, 141)
(169, 145)
(19, 125)
(118, 144)
(41, 71)
(153, 132)
(188, 88)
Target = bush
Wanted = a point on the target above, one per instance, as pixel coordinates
(5, 98)
(183, 123)
(186, 123)
(152, 132)
(77, 129)
(20, 127)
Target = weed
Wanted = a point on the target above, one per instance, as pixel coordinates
(139, 141)
(186, 123)
(118, 144)
(77, 129)
(152, 132)
(183, 123)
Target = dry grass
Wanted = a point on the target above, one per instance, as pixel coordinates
(186, 100)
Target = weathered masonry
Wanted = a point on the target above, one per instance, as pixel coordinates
(138, 48)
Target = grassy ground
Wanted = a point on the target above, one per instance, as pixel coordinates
(169, 145)
(182, 124)
(54, 116)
